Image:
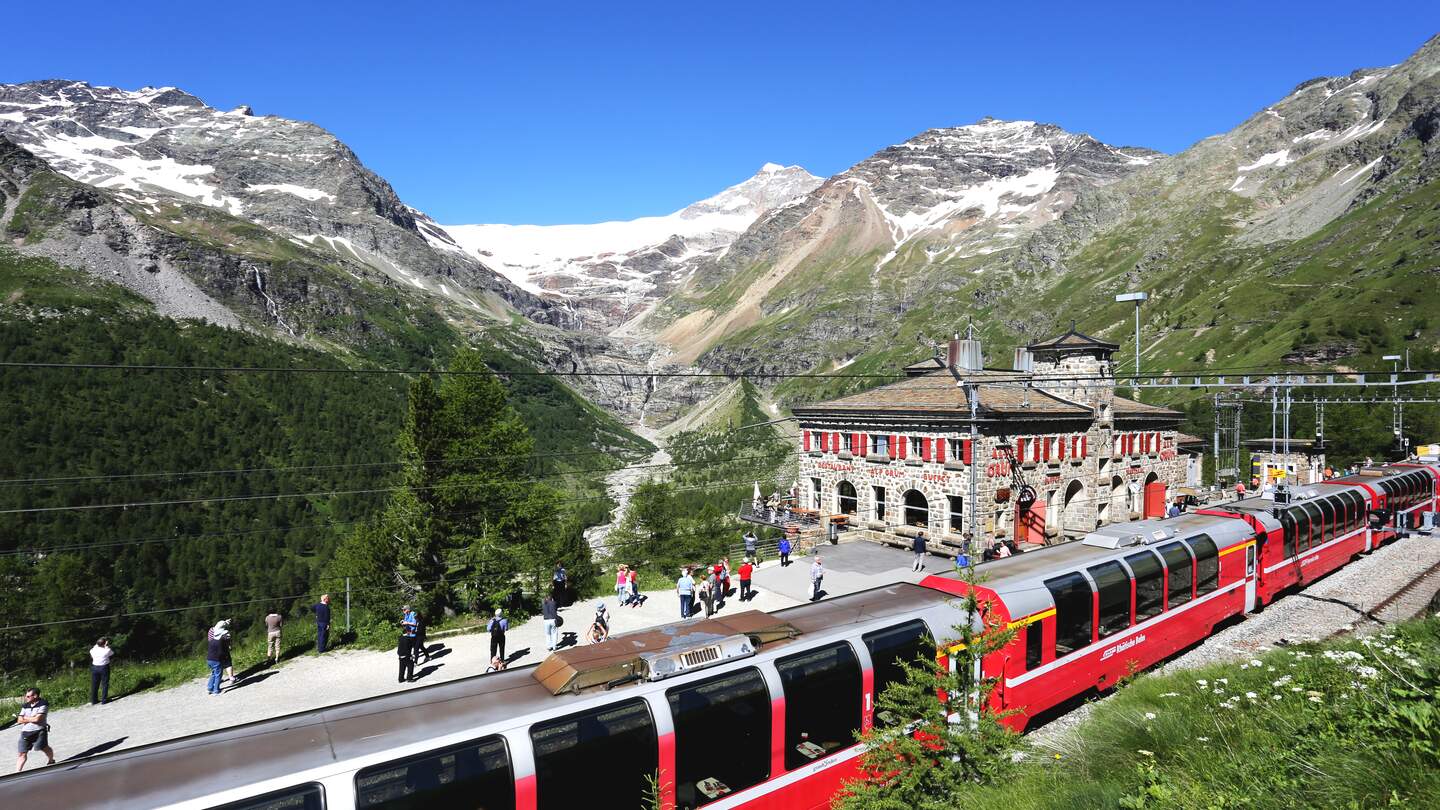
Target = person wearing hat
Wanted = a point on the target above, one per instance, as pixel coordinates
(497, 627)
(217, 654)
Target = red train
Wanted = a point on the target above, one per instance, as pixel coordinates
(758, 710)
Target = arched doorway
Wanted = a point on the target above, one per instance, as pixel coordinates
(917, 509)
(1075, 517)
(1154, 496)
(845, 495)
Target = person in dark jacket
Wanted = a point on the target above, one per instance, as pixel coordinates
(322, 623)
(217, 652)
(405, 651)
(420, 648)
(497, 627)
(918, 546)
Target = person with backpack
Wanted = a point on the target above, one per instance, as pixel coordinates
(497, 627)
(217, 652)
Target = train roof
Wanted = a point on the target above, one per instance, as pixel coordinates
(176, 770)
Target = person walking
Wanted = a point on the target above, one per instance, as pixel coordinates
(322, 623)
(34, 721)
(100, 656)
(497, 627)
(746, 570)
(551, 612)
(918, 546)
(685, 589)
(557, 584)
(633, 580)
(817, 575)
(784, 552)
(216, 651)
(622, 585)
(273, 621)
(405, 652)
(420, 648)
(749, 544)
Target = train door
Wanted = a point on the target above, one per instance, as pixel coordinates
(1250, 577)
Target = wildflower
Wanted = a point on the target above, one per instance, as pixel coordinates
(1251, 695)
(1142, 752)
(1170, 694)
(1367, 672)
(1057, 756)
(1202, 739)
(1222, 680)
(1314, 699)
(1275, 697)
(1295, 689)
(1269, 669)
(1255, 662)
(1202, 683)
(1149, 716)
(1217, 690)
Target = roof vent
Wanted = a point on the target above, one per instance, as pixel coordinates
(1155, 534)
(670, 663)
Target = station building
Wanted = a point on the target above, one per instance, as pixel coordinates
(900, 458)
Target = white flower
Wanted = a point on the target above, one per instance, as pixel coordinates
(1149, 716)
(1269, 669)
(1222, 680)
(1367, 672)
(1275, 697)
(1251, 695)
(1202, 683)
(1217, 690)
(1255, 662)
(1314, 699)
(1244, 666)
(1202, 739)
(1170, 694)
(1295, 689)
(1142, 752)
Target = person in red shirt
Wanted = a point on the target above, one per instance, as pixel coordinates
(745, 570)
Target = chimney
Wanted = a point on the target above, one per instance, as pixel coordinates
(964, 354)
(1024, 361)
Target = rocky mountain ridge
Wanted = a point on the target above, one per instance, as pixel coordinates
(608, 273)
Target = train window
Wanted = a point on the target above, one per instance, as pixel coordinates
(1317, 522)
(611, 749)
(1289, 530)
(1181, 568)
(907, 642)
(1034, 644)
(301, 797)
(722, 732)
(1114, 588)
(822, 702)
(1149, 585)
(1207, 564)
(1332, 519)
(471, 772)
(1074, 612)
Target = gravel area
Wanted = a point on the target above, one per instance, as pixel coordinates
(1341, 602)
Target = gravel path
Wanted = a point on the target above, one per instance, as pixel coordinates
(1343, 601)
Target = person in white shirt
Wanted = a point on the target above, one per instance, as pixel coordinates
(817, 573)
(100, 656)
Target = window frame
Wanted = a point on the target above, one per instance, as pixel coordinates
(1067, 580)
(761, 753)
(877, 496)
(956, 518)
(552, 722)
(435, 754)
(879, 444)
(1157, 575)
(793, 759)
(1170, 603)
(1212, 554)
(877, 684)
(250, 803)
(1034, 645)
(1108, 590)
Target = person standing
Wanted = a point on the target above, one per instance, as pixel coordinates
(918, 546)
(420, 648)
(784, 552)
(746, 570)
(551, 612)
(497, 627)
(634, 582)
(707, 594)
(557, 585)
(227, 666)
(405, 651)
(622, 585)
(100, 656)
(749, 544)
(215, 653)
(273, 621)
(408, 622)
(1003, 550)
(34, 720)
(322, 623)
(724, 573)
(685, 589)
(817, 575)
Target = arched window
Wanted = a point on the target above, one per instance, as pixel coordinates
(845, 491)
(917, 509)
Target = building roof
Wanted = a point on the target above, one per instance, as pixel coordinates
(1296, 445)
(928, 364)
(937, 393)
(1129, 407)
(1073, 340)
(1183, 439)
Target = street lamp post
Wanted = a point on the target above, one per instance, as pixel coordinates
(1397, 423)
(1137, 297)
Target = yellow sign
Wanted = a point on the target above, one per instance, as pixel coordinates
(1276, 475)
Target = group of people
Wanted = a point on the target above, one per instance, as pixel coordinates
(999, 550)
(412, 643)
(627, 586)
(712, 587)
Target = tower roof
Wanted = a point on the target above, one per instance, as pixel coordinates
(1072, 339)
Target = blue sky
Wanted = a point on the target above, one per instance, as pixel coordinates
(556, 112)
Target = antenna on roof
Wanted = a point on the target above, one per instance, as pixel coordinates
(970, 331)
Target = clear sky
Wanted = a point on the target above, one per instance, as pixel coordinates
(546, 112)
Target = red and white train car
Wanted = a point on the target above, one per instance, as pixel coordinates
(759, 710)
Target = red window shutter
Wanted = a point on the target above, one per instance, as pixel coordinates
(925, 450)
(940, 449)
(834, 442)
(807, 441)
(892, 446)
(900, 451)
(1157, 441)
(857, 444)
(1084, 446)
(966, 451)
(1045, 455)
(1037, 444)
(1060, 446)
(1019, 449)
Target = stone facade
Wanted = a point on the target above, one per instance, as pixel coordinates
(901, 457)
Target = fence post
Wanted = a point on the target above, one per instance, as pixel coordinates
(347, 604)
